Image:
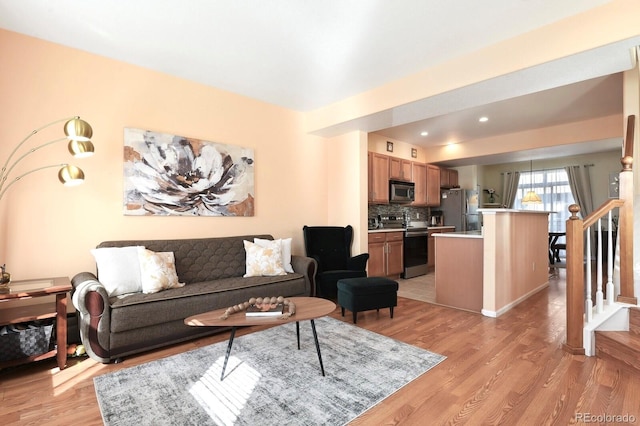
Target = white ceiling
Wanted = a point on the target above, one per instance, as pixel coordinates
(303, 55)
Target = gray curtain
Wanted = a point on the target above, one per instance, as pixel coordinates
(580, 184)
(510, 182)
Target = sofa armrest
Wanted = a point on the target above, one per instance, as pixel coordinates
(91, 301)
(358, 263)
(307, 267)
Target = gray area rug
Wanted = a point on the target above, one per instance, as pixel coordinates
(268, 381)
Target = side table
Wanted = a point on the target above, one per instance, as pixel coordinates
(28, 289)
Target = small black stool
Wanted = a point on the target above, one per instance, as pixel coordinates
(367, 293)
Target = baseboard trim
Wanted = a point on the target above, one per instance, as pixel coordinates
(496, 314)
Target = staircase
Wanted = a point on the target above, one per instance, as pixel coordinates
(603, 318)
(622, 346)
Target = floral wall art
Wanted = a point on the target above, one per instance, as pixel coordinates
(175, 175)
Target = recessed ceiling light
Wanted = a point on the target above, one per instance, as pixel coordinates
(424, 133)
(483, 119)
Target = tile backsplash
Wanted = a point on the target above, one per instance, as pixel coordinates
(415, 213)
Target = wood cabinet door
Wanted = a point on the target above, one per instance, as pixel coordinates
(453, 178)
(444, 178)
(399, 169)
(376, 263)
(378, 178)
(419, 172)
(394, 257)
(433, 185)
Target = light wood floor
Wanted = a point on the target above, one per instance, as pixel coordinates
(509, 370)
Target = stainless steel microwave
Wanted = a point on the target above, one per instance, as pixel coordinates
(401, 192)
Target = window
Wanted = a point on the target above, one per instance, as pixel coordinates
(552, 186)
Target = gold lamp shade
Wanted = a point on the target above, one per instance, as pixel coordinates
(531, 197)
(81, 149)
(71, 175)
(78, 130)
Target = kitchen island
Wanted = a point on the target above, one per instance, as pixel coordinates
(493, 270)
(458, 270)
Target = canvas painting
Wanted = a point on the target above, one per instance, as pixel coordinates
(174, 175)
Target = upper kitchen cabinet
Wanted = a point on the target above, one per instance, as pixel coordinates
(448, 178)
(400, 169)
(433, 185)
(378, 178)
(419, 174)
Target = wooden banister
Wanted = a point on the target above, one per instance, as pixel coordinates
(625, 219)
(575, 247)
(575, 283)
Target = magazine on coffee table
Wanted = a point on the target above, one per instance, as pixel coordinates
(265, 310)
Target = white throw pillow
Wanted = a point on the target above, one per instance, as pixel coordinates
(118, 269)
(285, 247)
(157, 271)
(263, 261)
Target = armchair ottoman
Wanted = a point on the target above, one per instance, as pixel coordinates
(364, 294)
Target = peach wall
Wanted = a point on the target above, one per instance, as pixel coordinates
(347, 176)
(565, 134)
(515, 264)
(47, 229)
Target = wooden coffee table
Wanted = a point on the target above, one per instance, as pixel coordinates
(307, 308)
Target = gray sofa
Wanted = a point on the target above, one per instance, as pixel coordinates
(212, 268)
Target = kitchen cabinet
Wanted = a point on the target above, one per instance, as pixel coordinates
(400, 169)
(431, 246)
(448, 178)
(419, 173)
(378, 178)
(433, 185)
(385, 254)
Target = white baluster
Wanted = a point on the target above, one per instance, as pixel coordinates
(599, 293)
(588, 305)
(610, 261)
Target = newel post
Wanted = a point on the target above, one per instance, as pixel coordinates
(575, 282)
(625, 232)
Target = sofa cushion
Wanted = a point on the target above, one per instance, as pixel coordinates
(157, 271)
(141, 310)
(263, 261)
(285, 247)
(200, 259)
(119, 269)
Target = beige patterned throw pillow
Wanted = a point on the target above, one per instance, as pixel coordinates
(157, 271)
(263, 261)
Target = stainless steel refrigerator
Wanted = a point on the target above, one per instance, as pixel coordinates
(460, 209)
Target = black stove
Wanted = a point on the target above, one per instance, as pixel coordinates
(415, 249)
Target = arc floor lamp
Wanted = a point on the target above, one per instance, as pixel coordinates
(78, 132)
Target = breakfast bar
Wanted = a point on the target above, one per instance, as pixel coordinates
(492, 270)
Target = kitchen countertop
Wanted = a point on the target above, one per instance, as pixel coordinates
(430, 228)
(460, 234)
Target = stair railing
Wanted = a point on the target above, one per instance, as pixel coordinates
(580, 304)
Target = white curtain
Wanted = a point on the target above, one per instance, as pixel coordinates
(510, 182)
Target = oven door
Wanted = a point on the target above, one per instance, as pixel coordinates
(415, 253)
